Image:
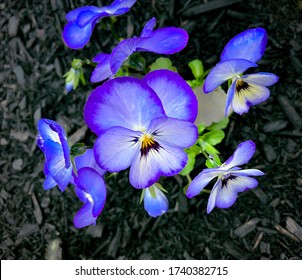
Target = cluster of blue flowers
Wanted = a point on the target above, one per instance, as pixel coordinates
(145, 124)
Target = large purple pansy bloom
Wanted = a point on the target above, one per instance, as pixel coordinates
(239, 54)
(230, 178)
(167, 40)
(135, 132)
(53, 143)
(81, 21)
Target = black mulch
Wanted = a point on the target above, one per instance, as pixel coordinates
(37, 224)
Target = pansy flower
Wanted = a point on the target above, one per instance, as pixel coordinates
(167, 40)
(53, 143)
(90, 189)
(155, 201)
(134, 131)
(81, 21)
(231, 179)
(238, 55)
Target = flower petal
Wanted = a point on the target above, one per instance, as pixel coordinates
(76, 37)
(87, 17)
(155, 206)
(168, 40)
(148, 28)
(122, 51)
(239, 184)
(84, 216)
(72, 15)
(93, 184)
(246, 98)
(229, 98)
(49, 182)
(177, 97)
(261, 78)
(225, 70)
(213, 196)
(146, 169)
(249, 44)
(115, 149)
(50, 130)
(247, 172)
(102, 71)
(173, 132)
(201, 181)
(242, 155)
(56, 164)
(227, 196)
(88, 160)
(123, 101)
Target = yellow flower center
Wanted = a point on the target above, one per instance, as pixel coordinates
(148, 143)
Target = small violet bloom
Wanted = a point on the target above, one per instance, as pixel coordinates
(239, 54)
(53, 143)
(144, 125)
(230, 178)
(168, 40)
(155, 201)
(81, 21)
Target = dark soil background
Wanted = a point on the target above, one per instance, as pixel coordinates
(35, 224)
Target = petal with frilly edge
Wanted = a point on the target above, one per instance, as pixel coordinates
(177, 97)
(167, 40)
(102, 71)
(88, 160)
(261, 78)
(225, 70)
(123, 101)
(201, 181)
(173, 132)
(157, 205)
(83, 217)
(163, 161)
(148, 28)
(242, 155)
(115, 149)
(213, 196)
(249, 45)
(56, 164)
(93, 184)
(245, 98)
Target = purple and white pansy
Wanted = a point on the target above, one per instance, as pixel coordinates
(134, 130)
(81, 21)
(231, 179)
(167, 40)
(52, 141)
(241, 53)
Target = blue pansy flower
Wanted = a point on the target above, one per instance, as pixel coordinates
(91, 190)
(134, 130)
(155, 201)
(167, 40)
(231, 179)
(81, 21)
(53, 142)
(239, 54)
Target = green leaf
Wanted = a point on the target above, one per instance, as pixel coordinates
(189, 166)
(201, 128)
(136, 62)
(219, 125)
(207, 147)
(162, 63)
(197, 68)
(77, 149)
(213, 137)
(142, 196)
(210, 164)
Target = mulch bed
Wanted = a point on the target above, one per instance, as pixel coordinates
(35, 224)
